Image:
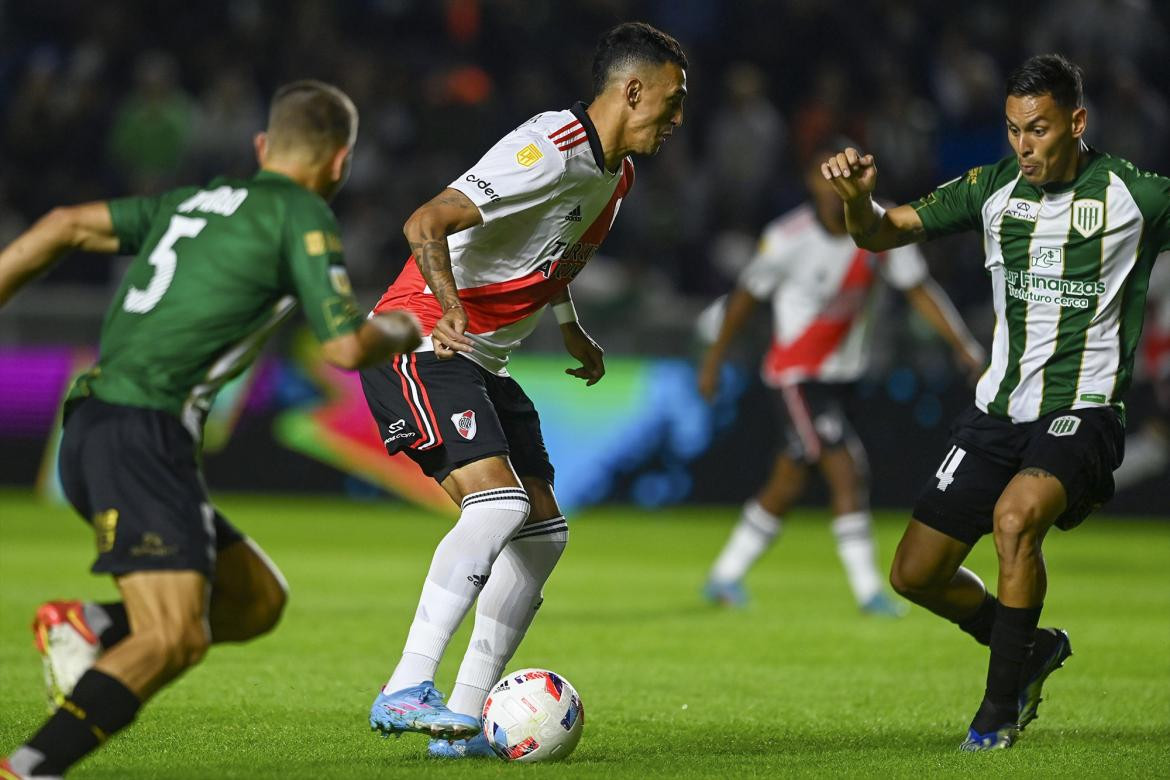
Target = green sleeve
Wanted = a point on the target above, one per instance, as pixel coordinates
(955, 206)
(1152, 193)
(132, 218)
(315, 264)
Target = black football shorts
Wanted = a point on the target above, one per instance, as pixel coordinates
(447, 413)
(815, 417)
(133, 474)
(1080, 447)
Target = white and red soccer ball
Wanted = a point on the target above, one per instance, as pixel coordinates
(533, 715)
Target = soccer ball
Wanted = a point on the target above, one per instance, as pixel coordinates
(533, 715)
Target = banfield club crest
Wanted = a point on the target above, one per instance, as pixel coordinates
(1088, 216)
(464, 423)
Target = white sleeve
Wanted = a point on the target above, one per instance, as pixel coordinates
(905, 267)
(768, 266)
(517, 173)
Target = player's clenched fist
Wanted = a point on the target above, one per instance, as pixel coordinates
(851, 174)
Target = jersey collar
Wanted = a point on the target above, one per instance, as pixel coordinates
(263, 175)
(1090, 157)
(578, 110)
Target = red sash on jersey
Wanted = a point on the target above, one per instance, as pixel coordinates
(493, 306)
(824, 335)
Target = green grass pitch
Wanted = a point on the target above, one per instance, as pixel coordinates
(798, 684)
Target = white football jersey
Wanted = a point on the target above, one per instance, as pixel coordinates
(822, 290)
(547, 203)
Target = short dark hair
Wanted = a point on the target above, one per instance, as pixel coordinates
(629, 43)
(312, 116)
(1048, 74)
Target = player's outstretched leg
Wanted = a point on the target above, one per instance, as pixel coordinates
(857, 550)
(1023, 514)
(493, 507)
(758, 527)
(846, 471)
(248, 596)
(506, 609)
(755, 532)
(168, 610)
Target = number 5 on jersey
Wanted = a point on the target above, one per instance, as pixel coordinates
(163, 258)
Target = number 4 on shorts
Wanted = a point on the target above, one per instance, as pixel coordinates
(946, 471)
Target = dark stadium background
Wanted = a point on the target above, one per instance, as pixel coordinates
(104, 99)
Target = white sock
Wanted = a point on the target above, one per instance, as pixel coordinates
(752, 536)
(458, 573)
(506, 608)
(858, 552)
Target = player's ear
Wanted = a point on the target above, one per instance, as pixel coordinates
(1079, 122)
(339, 164)
(633, 91)
(260, 143)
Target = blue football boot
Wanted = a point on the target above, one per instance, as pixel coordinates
(1055, 648)
(475, 747)
(1000, 739)
(725, 594)
(884, 605)
(420, 709)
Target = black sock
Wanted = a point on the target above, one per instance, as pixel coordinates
(979, 625)
(99, 707)
(119, 627)
(1011, 641)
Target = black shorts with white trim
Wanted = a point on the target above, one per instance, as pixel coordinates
(815, 417)
(1080, 447)
(444, 414)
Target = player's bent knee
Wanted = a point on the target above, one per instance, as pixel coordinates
(1015, 521)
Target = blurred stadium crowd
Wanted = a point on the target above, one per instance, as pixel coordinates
(103, 99)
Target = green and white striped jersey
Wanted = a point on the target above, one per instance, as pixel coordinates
(1069, 267)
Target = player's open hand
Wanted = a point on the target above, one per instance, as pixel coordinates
(852, 175)
(580, 345)
(448, 337)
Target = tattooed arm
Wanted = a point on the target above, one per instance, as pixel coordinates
(427, 229)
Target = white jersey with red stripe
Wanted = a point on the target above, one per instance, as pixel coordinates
(822, 289)
(547, 203)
